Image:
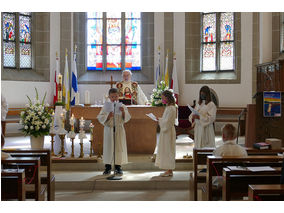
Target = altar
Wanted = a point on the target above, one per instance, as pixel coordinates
(141, 131)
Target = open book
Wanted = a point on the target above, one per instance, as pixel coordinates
(109, 107)
(194, 111)
(152, 116)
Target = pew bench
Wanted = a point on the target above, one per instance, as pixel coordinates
(215, 167)
(236, 182)
(12, 184)
(33, 187)
(46, 176)
(266, 192)
(200, 160)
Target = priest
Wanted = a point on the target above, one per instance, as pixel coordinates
(129, 91)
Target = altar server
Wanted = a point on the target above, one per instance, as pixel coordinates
(204, 135)
(166, 150)
(106, 118)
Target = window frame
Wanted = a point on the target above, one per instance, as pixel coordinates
(105, 45)
(218, 43)
(17, 41)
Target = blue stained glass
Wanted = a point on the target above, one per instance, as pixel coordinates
(132, 15)
(95, 31)
(25, 29)
(95, 15)
(227, 26)
(209, 28)
(9, 27)
(132, 31)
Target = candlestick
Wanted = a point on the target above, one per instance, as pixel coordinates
(82, 122)
(87, 97)
(77, 98)
(81, 149)
(62, 152)
(52, 144)
(91, 139)
(59, 88)
(72, 148)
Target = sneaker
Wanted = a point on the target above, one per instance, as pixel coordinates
(118, 170)
(107, 172)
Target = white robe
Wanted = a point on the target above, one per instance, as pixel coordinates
(166, 148)
(120, 139)
(230, 149)
(204, 135)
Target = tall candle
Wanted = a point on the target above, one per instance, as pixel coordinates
(52, 120)
(87, 97)
(62, 120)
(77, 98)
(72, 121)
(59, 88)
(82, 122)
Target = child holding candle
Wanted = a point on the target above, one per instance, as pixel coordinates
(106, 119)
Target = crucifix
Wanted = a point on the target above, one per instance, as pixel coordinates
(111, 82)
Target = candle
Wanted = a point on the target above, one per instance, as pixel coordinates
(77, 98)
(59, 88)
(72, 121)
(91, 129)
(52, 120)
(62, 120)
(82, 122)
(87, 97)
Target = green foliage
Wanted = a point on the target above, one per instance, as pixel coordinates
(156, 97)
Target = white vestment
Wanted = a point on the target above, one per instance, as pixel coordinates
(166, 148)
(120, 139)
(204, 135)
(230, 149)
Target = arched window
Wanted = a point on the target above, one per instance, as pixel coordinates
(113, 41)
(217, 42)
(17, 40)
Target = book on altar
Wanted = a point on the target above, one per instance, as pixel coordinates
(109, 107)
(261, 145)
(152, 116)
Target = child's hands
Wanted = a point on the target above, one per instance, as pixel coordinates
(121, 109)
(110, 115)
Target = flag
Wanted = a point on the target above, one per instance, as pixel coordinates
(74, 83)
(166, 70)
(174, 81)
(66, 89)
(158, 69)
(55, 84)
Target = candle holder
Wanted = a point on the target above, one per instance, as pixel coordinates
(81, 150)
(99, 150)
(91, 139)
(72, 148)
(52, 143)
(62, 152)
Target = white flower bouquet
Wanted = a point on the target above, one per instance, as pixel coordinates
(156, 97)
(36, 117)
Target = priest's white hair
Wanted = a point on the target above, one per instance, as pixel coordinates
(127, 71)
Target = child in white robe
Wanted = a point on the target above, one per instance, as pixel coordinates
(106, 119)
(204, 135)
(166, 150)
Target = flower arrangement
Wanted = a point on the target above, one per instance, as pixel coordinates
(156, 97)
(36, 117)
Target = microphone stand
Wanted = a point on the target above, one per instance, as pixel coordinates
(113, 177)
(239, 120)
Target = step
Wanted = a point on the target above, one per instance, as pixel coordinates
(135, 162)
(131, 180)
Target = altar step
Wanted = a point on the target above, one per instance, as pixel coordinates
(136, 162)
(131, 180)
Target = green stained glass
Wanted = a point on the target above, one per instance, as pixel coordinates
(25, 29)
(8, 27)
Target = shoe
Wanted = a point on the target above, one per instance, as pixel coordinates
(166, 174)
(107, 172)
(118, 171)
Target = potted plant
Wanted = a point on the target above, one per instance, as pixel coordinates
(36, 121)
(156, 97)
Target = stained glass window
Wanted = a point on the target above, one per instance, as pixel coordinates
(114, 41)
(17, 47)
(217, 42)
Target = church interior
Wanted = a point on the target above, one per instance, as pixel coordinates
(64, 64)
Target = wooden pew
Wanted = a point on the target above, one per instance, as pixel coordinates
(12, 184)
(45, 161)
(34, 189)
(215, 169)
(235, 182)
(200, 159)
(274, 191)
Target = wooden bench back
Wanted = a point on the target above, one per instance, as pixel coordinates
(32, 170)
(215, 166)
